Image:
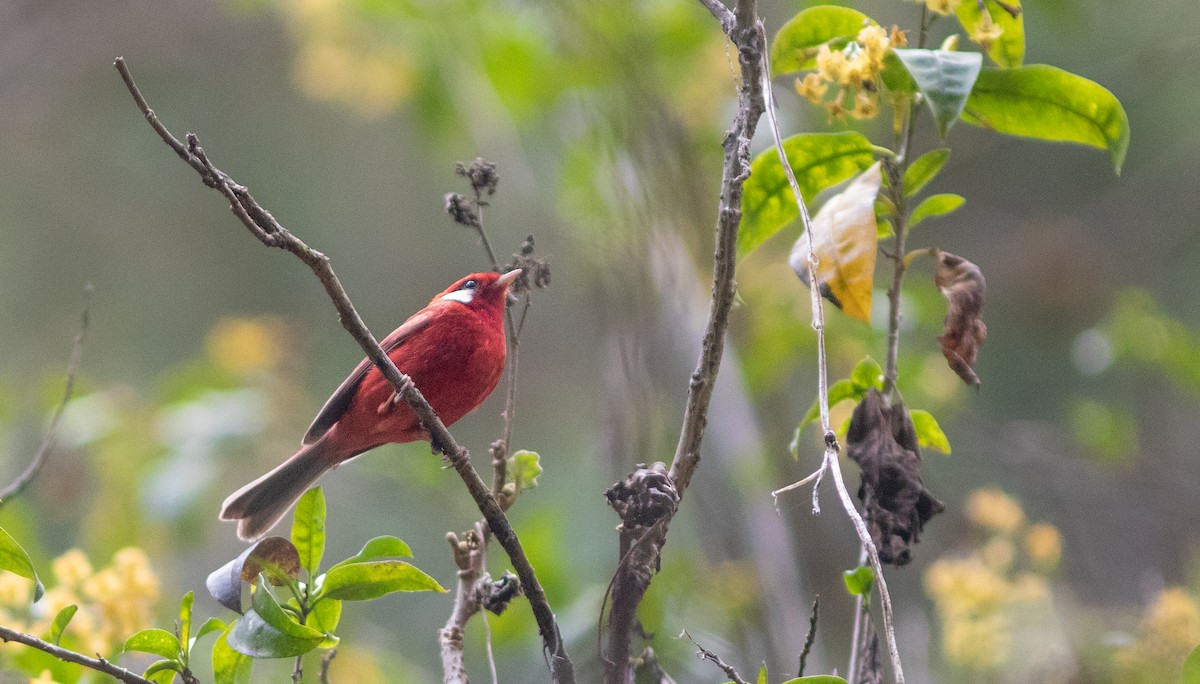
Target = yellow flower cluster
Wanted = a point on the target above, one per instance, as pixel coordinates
(855, 72)
(1170, 629)
(986, 31)
(981, 597)
(246, 345)
(113, 602)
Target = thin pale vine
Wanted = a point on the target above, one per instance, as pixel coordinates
(832, 448)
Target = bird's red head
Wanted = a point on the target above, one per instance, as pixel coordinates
(480, 290)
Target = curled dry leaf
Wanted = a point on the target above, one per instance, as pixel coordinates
(883, 442)
(962, 283)
(844, 240)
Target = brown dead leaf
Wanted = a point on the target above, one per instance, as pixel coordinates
(962, 283)
(844, 239)
(883, 442)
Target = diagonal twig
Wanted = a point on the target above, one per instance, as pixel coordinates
(271, 233)
(97, 664)
(39, 459)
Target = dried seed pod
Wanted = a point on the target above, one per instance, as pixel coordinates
(962, 283)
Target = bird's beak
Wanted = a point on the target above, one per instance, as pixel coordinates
(507, 279)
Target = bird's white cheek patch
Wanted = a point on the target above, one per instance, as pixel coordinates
(464, 296)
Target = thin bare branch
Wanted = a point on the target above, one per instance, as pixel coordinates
(326, 661)
(269, 231)
(39, 458)
(67, 656)
(811, 637)
(716, 660)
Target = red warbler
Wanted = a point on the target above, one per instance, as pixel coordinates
(454, 350)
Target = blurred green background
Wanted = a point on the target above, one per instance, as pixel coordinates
(208, 354)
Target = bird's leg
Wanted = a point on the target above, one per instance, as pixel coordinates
(390, 404)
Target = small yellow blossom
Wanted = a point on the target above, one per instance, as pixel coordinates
(835, 108)
(15, 590)
(866, 106)
(999, 553)
(830, 64)
(874, 41)
(240, 345)
(897, 37)
(942, 7)
(994, 511)
(812, 87)
(1043, 545)
(986, 31)
(1169, 631)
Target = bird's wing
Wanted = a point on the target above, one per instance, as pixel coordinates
(336, 406)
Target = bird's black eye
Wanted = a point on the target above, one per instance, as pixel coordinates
(469, 285)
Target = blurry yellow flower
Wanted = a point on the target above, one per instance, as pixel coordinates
(995, 511)
(15, 591)
(830, 64)
(999, 554)
(1174, 619)
(837, 111)
(874, 42)
(978, 644)
(1043, 545)
(1169, 631)
(44, 678)
(71, 568)
(897, 37)
(241, 345)
(866, 106)
(942, 7)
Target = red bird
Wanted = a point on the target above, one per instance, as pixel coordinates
(454, 351)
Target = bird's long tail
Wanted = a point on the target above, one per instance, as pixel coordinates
(260, 504)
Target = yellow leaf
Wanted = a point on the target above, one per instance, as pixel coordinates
(844, 239)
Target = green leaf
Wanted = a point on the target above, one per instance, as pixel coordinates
(859, 581)
(817, 679)
(370, 580)
(266, 631)
(838, 392)
(229, 666)
(796, 44)
(929, 433)
(883, 229)
(524, 467)
(1009, 49)
(924, 169)
(210, 625)
(59, 625)
(945, 79)
(819, 160)
(379, 547)
(844, 240)
(762, 674)
(162, 671)
(934, 206)
(308, 530)
(326, 615)
(160, 642)
(1047, 103)
(14, 559)
(866, 374)
(185, 616)
(1191, 668)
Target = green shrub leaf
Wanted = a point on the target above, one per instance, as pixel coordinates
(1047, 103)
(275, 556)
(162, 671)
(1191, 668)
(929, 433)
(934, 206)
(59, 625)
(817, 679)
(379, 547)
(796, 44)
(524, 467)
(185, 615)
(924, 169)
(160, 642)
(210, 625)
(14, 559)
(365, 581)
(866, 374)
(945, 79)
(308, 530)
(859, 581)
(267, 631)
(229, 666)
(819, 160)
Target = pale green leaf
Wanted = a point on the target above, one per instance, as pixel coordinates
(796, 44)
(867, 374)
(308, 530)
(844, 239)
(162, 671)
(59, 625)
(817, 679)
(924, 169)
(859, 581)
(1047, 103)
(1191, 668)
(14, 559)
(945, 79)
(229, 666)
(160, 642)
(524, 467)
(929, 433)
(379, 547)
(819, 160)
(365, 581)
(185, 615)
(934, 206)
(838, 392)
